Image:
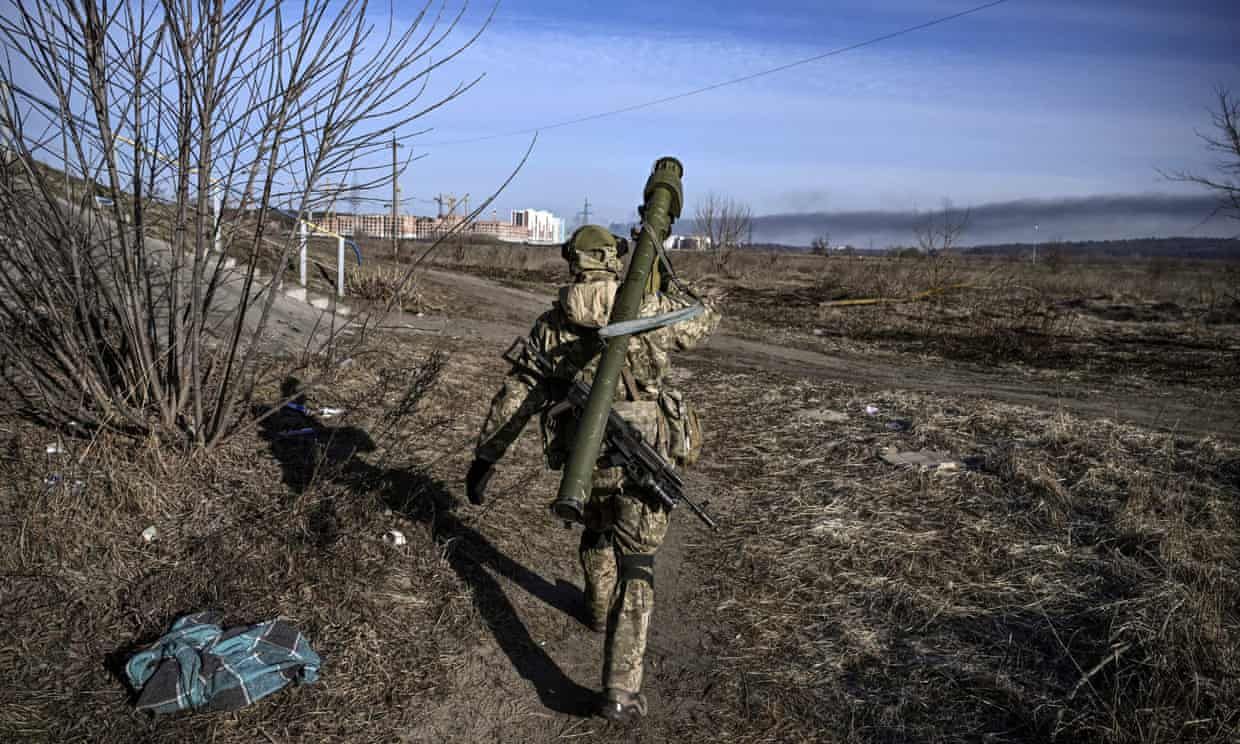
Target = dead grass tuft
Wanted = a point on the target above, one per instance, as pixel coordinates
(386, 285)
(1074, 583)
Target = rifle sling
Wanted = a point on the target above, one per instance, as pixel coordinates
(630, 385)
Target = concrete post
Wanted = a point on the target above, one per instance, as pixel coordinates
(301, 262)
(217, 241)
(339, 266)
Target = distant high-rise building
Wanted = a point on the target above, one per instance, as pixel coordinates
(543, 227)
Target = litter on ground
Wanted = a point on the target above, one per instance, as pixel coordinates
(822, 416)
(923, 459)
(198, 665)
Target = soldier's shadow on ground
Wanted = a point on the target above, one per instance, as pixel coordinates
(331, 453)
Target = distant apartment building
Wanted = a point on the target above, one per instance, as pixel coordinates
(543, 227)
(527, 225)
(341, 224)
(687, 243)
(505, 231)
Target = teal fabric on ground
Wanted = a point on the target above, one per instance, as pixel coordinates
(198, 665)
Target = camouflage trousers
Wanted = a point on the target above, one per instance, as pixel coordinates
(624, 529)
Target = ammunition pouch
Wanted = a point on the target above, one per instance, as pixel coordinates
(684, 428)
(646, 417)
(559, 427)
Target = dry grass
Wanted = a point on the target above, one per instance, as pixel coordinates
(266, 526)
(1132, 323)
(1076, 582)
(1109, 319)
(386, 286)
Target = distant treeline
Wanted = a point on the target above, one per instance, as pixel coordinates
(1195, 248)
(1201, 248)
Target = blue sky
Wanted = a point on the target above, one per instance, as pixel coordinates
(1028, 100)
(1053, 101)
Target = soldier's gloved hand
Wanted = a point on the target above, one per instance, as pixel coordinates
(476, 480)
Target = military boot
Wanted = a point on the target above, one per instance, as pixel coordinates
(618, 705)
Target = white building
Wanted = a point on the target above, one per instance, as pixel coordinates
(544, 227)
(687, 243)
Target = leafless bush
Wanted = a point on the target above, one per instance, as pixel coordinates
(245, 102)
(1009, 324)
(941, 230)
(385, 285)
(725, 222)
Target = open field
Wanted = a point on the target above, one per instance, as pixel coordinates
(1133, 321)
(1075, 579)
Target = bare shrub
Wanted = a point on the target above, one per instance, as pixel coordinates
(239, 103)
(725, 222)
(1009, 324)
(385, 285)
(941, 230)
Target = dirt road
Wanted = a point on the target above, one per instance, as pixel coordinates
(496, 313)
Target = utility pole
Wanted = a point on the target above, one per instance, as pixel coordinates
(584, 214)
(395, 203)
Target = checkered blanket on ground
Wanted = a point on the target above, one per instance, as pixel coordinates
(199, 666)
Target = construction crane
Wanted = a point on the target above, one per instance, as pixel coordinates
(451, 201)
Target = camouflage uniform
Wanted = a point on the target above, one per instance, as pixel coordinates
(624, 525)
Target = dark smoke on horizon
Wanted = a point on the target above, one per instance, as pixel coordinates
(1072, 219)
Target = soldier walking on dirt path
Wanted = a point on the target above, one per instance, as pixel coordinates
(624, 524)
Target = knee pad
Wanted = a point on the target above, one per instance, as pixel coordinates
(592, 540)
(637, 568)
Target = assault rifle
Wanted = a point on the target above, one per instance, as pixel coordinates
(624, 445)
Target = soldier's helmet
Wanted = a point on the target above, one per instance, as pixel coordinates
(593, 248)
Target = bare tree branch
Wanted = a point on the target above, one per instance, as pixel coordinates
(941, 230)
(162, 112)
(725, 223)
(1225, 142)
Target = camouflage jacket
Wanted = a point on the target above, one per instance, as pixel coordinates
(566, 334)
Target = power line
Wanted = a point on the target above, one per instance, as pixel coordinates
(724, 83)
